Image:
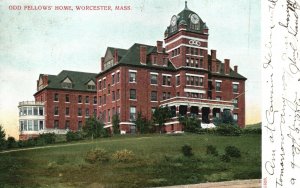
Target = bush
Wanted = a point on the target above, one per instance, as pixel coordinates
(228, 130)
(97, 155)
(211, 150)
(73, 136)
(49, 138)
(225, 158)
(187, 150)
(232, 151)
(251, 131)
(123, 156)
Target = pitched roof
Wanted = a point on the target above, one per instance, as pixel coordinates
(79, 80)
(121, 52)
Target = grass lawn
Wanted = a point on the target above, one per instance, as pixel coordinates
(158, 161)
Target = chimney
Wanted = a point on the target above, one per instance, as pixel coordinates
(213, 54)
(236, 68)
(115, 56)
(143, 55)
(45, 79)
(102, 64)
(159, 46)
(226, 66)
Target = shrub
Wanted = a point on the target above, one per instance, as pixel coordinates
(73, 136)
(11, 142)
(252, 131)
(232, 151)
(97, 155)
(187, 150)
(225, 158)
(211, 150)
(49, 138)
(123, 156)
(228, 130)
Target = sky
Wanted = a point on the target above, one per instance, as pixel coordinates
(47, 42)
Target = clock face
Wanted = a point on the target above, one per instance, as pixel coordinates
(173, 20)
(194, 19)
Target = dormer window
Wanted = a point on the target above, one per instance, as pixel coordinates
(91, 85)
(108, 64)
(67, 83)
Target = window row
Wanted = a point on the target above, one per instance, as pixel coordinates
(31, 125)
(31, 110)
(66, 124)
(194, 80)
(194, 51)
(175, 52)
(194, 95)
(194, 62)
(106, 115)
(115, 78)
(79, 98)
(67, 85)
(79, 111)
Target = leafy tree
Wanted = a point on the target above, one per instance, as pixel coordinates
(226, 118)
(191, 124)
(94, 128)
(161, 115)
(2, 138)
(116, 124)
(142, 124)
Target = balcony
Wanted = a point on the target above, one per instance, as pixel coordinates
(31, 103)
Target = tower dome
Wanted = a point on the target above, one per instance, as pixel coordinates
(186, 17)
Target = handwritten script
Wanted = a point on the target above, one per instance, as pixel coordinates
(281, 94)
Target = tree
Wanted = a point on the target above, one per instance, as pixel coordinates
(11, 142)
(142, 124)
(94, 128)
(226, 118)
(116, 124)
(2, 138)
(191, 124)
(161, 115)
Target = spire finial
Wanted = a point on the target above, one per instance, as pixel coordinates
(186, 4)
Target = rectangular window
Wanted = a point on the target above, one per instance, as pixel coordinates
(108, 115)
(30, 125)
(118, 94)
(87, 112)
(87, 99)
(188, 80)
(24, 110)
(218, 86)
(118, 77)
(168, 95)
(235, 117)
(177, 80)
(192, 50)
(35, 111)
(113, 96)
(192, 80)
(67, 111)
(95, 100)
(192, 62)
(41, 125)
(79, 112)
(197, 81)
(235, 88)
(235, 103)
(56, 124)
(67, 98)
(132, 113)
(167, 80)
(113, 79)
(67, 124)
(29, 111)
(79, 99)
(132, 76)
(153, 78)
(196, 63)
(56, 110)
(41, 111)
(55, 96)
(188, 50)
(132, 94)
(35, 125)
(100, 85)
(25, 125)
(164, 95)
(108, 87)
(187, 62)
(100, 100)
(201, 63)
(153, 95)
(104, 83)
(201, 81)
(201, 52)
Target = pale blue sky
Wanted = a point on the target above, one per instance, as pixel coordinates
(34, 42)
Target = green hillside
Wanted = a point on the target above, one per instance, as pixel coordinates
(157, 160)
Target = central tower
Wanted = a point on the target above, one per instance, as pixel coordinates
(186, 40)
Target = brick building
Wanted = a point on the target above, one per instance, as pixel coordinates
(62, 102)
(182, 75)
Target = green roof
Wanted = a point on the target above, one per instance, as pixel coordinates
(79, 80)
(121, 52)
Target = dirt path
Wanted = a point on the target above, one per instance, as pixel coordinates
(255, 183)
